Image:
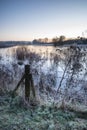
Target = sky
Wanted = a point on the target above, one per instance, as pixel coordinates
(32, 19)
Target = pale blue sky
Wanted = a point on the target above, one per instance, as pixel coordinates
(29, 19)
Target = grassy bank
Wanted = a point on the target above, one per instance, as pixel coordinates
(16, 115)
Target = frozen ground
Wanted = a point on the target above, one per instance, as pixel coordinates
(15, 115)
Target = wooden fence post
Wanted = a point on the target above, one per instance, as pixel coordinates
(29, 85)
(27, 82)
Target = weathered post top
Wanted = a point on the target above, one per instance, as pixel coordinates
(27, 69)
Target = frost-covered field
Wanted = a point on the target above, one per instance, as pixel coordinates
(60, 81)
(59, 74)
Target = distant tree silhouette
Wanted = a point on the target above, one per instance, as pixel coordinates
(56, 39)
(78, 37)
(46, 40)
(35, 41)
(39, 40)
(62, 38)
